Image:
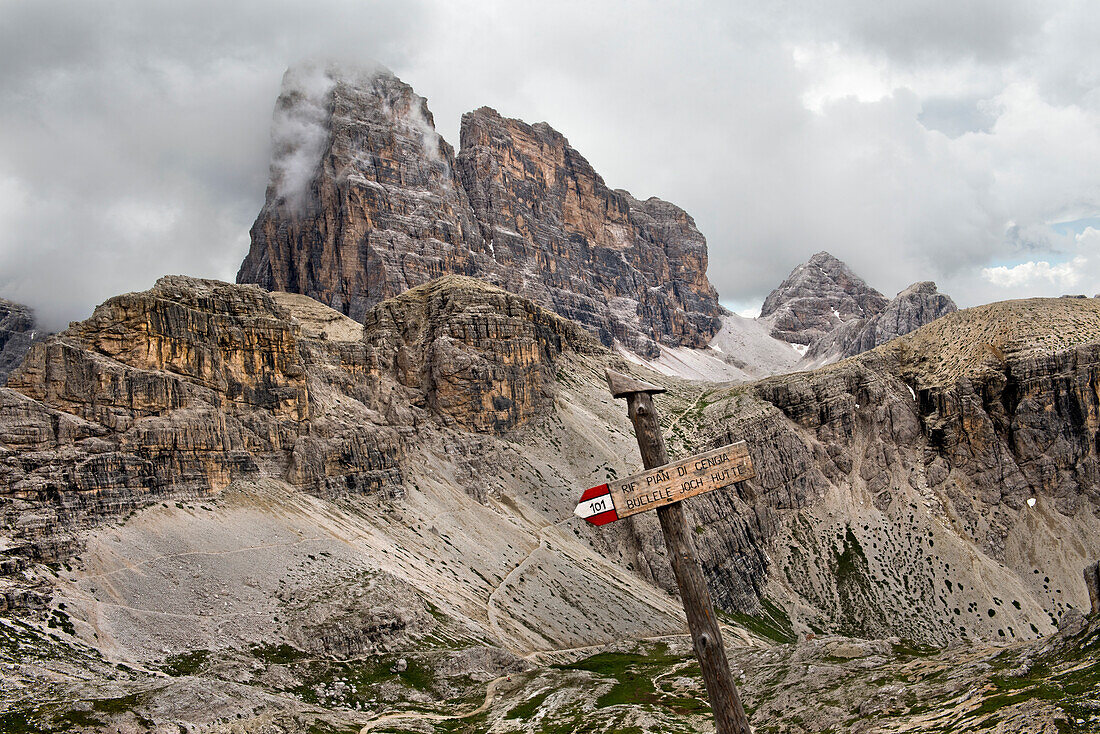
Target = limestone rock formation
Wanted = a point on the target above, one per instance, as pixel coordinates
(816, 298)
(184, 388)
(912, 308)
(474, 354)
(363, 202)
(634, 270)
(18, 332)
(366, 200)
(885, 481)
(250, 492)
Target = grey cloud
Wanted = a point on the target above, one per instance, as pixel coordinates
(137, 136)
(938, 31)
(954, 116)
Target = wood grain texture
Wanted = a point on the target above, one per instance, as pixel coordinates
(622, 385)
(729, 714)
(679, 480)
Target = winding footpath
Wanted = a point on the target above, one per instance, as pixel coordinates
(490, 690)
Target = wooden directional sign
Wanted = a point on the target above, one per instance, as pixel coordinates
(666, 484)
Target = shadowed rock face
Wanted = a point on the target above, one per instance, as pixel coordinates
(929, 488)
(917, 305)
(369, 201)
(363, 204)
(18, 332)
(816, 298)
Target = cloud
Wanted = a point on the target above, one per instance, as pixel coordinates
(298, 131)
(1064, 275)
(913, 140)
(1080, 274)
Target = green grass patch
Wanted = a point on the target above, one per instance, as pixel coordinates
(772, 624)
(118, 705)
(185, 663)
(910, 649)
(528, 708)
(282, 654)
(633, 675)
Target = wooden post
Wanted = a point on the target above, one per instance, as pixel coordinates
(1092, 581)
(729, 714)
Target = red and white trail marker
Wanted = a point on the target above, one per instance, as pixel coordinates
(666, 484)
(596, 506)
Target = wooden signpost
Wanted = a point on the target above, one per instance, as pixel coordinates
(666, 484)
(662, 487)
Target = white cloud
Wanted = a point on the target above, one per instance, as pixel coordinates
(1031, 273)
(298, 131)
(1081, 274)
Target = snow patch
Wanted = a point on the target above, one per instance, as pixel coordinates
(911, 392)
(1030, 501)
(741, 351)
(688, 364)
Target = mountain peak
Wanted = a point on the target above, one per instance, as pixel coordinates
(818, 296)
(367, 200)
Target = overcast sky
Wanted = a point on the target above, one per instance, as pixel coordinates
(944, 140)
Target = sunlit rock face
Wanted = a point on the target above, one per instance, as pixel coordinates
(184, 388)
(475, 355)
(634, 269)
(366, 200)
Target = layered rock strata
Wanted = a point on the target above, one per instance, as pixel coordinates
(912, 308)
(816, 298)
(927, 489)
(179, 390)
(475, 355)
(942, 486)
(366, 200)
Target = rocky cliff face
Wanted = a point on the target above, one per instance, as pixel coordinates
(182, 389)
(912, 308)
(363, 202)
(477, 356)
(366, 201)
(925, 489)
(18, 332)
(635, 270)
(817, 297)
(251, 492)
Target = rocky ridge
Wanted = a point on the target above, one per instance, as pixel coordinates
(971, 435)
(194, 384)
(917, 305)
(370, 201)
(211, 468)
